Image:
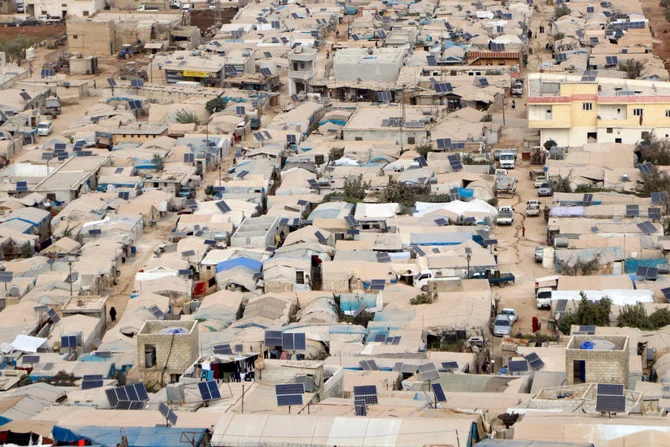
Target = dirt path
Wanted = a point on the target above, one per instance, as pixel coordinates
(660, 28)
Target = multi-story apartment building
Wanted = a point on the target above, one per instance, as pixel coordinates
(575, 110)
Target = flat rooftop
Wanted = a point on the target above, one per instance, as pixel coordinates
(548, 85)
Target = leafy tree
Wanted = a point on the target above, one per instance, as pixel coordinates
(354, 189)
(660, 318)
(14, 47)
(216, 105)
(654, 151)
(549, 144)
(158, 162)
(336, 153)
(632, 68)
(27, 250)
(634, 316)
(587, 313)
(561, 184)
(561, 10)
(184, 116)
(399, 192)
(424, 149)
(210, 190)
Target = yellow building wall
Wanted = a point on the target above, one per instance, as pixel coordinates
(568, 89)
(561, 116)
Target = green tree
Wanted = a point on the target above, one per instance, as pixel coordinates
(561, 10)
(216, 105)
(354, 190)
(634, 316)
(399, 192)
(424, 149)
(27, 250)
(660, 318)
(587, 314)
(158, 162)
(184, 116)
(210, 190)
(549, 144)
(336, 153)
(632, 68)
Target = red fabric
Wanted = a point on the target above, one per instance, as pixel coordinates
(200, 288)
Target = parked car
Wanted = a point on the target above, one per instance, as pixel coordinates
(545, 190)
(539, 253)
(502, 326)
(539, 181)
(505, 215)
(512, 314)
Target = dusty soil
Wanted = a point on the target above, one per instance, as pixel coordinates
(42, 31)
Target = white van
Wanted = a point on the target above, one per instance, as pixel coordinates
(506, 160)
(44, 128)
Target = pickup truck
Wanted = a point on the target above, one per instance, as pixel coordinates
(517, 88)
(422, 279)
(543, 290)
(532, 208)
(495, 278)
(540, 180)
(505, 215)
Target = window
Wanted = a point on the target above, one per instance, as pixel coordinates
(411, 140)
(358, 139)
(548, 115)
(637, 112)
(617, 140)
(587, 106)
(610, 130)
(74, 36)
(85, 13)
(667, 113)
(299, 277)
(149, 356)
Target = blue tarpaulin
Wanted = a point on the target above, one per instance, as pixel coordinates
(241, 261)
(137, 436)
(633, 264)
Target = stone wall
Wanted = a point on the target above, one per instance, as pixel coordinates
(601, 366)
(178, 351)
(90, 38)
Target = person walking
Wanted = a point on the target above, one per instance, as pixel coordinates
(112, 313)
(95, 85)
(523, 231)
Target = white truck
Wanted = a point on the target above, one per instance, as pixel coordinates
(506, 159)
(532, 208)
(505, 215)
(544, 287)
(425, 277)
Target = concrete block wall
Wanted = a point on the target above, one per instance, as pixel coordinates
(90, 38)
(178, 354)
(601, 366)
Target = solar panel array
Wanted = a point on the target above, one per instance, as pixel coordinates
(224, 349)
(368, 393)
(377, 284)
(444, 143)
(68, 341)
(646, 168)
(561, 57)
(289, 394)
(647, 227)
(368, 365)
(443, 87)
(209, 390)
(647, 273)
(294, 341)
(632, 210)
(534, 361)
(273, 338)
(455, 162)
(428, 372)
(517, 366)
(127, 397)
(659, 198)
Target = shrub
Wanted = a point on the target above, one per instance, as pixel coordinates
(487, 118)
(184, 116)
(210, 190)
(561, 10)
(587, 313)
(424, 298)
(336, 153)
(558, 36)
(216, 105)
(158, 162)
(424, 149)
(632, 68)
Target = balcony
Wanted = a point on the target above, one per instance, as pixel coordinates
(302, 75)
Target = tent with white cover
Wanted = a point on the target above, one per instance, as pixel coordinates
(458, 210)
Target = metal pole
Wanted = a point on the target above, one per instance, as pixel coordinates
(69, 263)
(242, 399)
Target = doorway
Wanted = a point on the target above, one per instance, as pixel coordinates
(579, 371)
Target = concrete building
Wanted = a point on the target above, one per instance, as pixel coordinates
(61, 10)
(302, 65)
(378, 123)
(601, 359)
(575, 110)
(368, 64)
(256, 232)
(166, 349)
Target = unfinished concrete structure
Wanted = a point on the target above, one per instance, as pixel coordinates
(165, 349)
(598, 364)
(302, 67)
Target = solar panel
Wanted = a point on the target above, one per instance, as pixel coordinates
(172, 418)
(654, 213)
(111, 82)
(6, 277)
(397, 367)
(289, 388)
(223, 206)
(589, 330)
(647, 227)
(587, 199)
(611, 60)
(632, 210)
(611, 404)
(441, 87)
(383, 257)
(590, 75)
(288, 400)
(439, 392)
(137, 83)
(350, 221)
(322, 239)
(21, 186)
(659, 198)
(442, 222)
(646, 168)
(224, 349)
(561, 305)
(291, 139)
(610, 389)
(455, 162)
(380, 338)
(112, 397)
(68, 341)
(25, 96)
(47, 156)
(360, 407)
(483, 82)
(31, 359)
(367, 393)
(377, 284)
(450, 366)
(273, 338)
(429, 374)
(287, 341)
(164, 409)
(517, 366)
